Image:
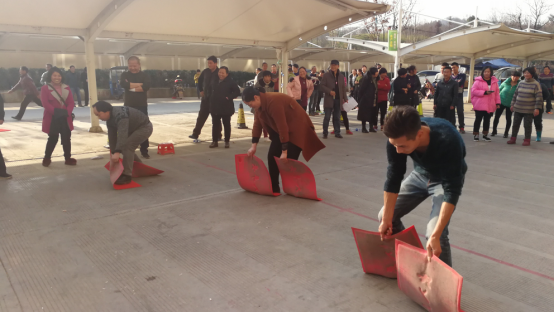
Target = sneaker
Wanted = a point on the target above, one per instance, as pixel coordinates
(512, 140)
(214, 144)
(325, 136)
(505, 136)
(526, 142)
(552, 142)
(16, 118)
(375, 128)
(5, 176)
(338, 136)
(486, 138)
(194, 137)
(349, 132)
(364, 130)
(476, 138)
(462, 131)
(71, 161)
(46, 162)
(123, 179)
(372, 130)
(145, 155)
(227, 145)
(81, 105)
(493, 133)
(549, 113)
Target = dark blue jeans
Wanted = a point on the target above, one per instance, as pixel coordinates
(414, 190)
(76, 94)
(335, 111)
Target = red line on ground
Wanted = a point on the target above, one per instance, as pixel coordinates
(351, 211)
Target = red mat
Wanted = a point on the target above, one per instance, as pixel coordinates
(116, 169)
(140, 170)
(252, 174)
(4, 130)
(378, 257)
(298, 179)
(433, 285)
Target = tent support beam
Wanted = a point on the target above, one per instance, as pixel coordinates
(471, 74)
(284, 70)
(105, 17)
(93, 92)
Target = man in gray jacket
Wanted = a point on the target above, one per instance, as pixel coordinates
(127, 129)
(332, 84)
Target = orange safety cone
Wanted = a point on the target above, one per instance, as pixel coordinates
(241, 121)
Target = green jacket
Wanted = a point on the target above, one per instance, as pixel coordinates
(507, 92)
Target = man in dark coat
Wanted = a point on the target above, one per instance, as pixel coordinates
(446, 96)
(222, 106)
(367, 106)
(290, 129)
(401, 88)
(415, 86)
(334, 88)
(207, 79)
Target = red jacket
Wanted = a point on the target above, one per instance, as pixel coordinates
(383, 88)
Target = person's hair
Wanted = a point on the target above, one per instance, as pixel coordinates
(364, 66)
(103, 106)
(402, 71)
(248, 94)
(490, 68)
(304, 68)
(295, 65)
(52, 70)
(372, 71)
(379, 65)
(444, 64)
(516, 73)
(198, 70)
(448, 67)
(133, 58)
(546, 66)
(71, 66)
(530, 70)
(402, 121)
(290, 65)
(411, 67)
(360, 70)
(290, 70)
(264, 63)
(259, 69)
(24, 68)
(51, 65)
(382, 71)
(226, 69)
(454, 64)
(322, 71)
(273, 65)
(212, 58)
(266, 73)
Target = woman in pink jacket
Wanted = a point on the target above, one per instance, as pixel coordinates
(485, 96)
(58, 105)
(301, 88)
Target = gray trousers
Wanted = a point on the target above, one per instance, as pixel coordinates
(133, 141)
(527, 124)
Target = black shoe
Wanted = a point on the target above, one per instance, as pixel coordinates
(372, 130)
(214, 144)
(227, 145)
(476, 138)
(325, 136)
(16, 118)
(194, 137)
(338, 136)
(364, 130)
(505, 136)
(493, 133)
(80, 105)
(145, 155)
(486, 138)
(552, 142)
(5, 176)
(123, 179)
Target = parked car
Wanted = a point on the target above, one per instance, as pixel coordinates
(427, 75)
(504, 73)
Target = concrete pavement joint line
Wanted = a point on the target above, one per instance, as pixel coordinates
(454, 246)
(11, 284)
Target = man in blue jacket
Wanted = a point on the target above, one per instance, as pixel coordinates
(438, 153)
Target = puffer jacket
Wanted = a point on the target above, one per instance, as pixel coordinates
(383, 88)
(507, 92)
(482, 102)
(294, 89)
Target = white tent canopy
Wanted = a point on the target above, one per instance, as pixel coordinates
(282, 25)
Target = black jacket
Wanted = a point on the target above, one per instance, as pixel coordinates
(84, 77)
(2, 113)
(446, 93)
(401, 97)
(367, 98)
(135, 99)
(222, 95)
(206, 81)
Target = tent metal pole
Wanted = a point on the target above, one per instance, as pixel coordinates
(471, 74)
(92, 91)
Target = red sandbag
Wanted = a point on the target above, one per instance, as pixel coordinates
(4, 130)
(140, 170)
(252, 175)
(378, 257)
(433, 285)
(298, 179)
(116, 170)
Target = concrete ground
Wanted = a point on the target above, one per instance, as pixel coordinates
(192, 240)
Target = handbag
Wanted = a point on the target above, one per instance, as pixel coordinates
(60, 114)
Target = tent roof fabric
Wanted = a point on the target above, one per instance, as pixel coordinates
(495, 64)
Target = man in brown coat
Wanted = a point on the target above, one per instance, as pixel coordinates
(290, 129)
(29, 91)
(334, 88)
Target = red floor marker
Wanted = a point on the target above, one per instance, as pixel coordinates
(252, 175)
(378, 257)
(4, 130)
(116, 170)
(433, 285)
(142, 170)
(298, 179)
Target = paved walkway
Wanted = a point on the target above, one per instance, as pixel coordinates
(192, 240)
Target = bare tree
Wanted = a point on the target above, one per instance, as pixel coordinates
(538, 10)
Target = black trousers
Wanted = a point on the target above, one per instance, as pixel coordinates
(549, 101)
(2, 164)
(344, 115)
(445, 112)
(482, 116)
(28, 99)
(217, 120)
(527, 124)
(497, 115)
(144, 145)
(202, 117)
(85, 88)
(382, 111)
(460, 109)
(538, 121)
(275, 150)
(63, 132)
(314, 101)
